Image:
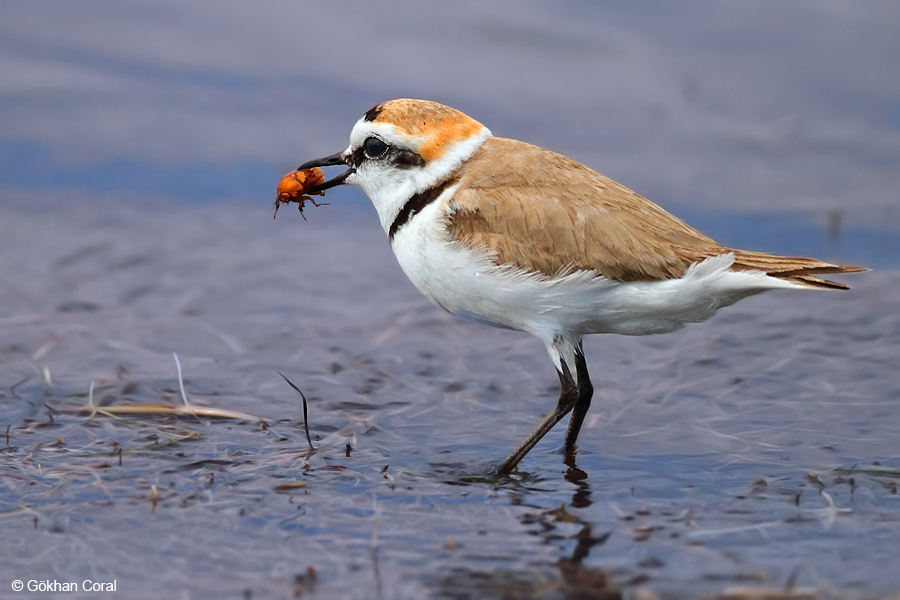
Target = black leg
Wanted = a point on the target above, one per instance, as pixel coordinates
(585, 392)
(568, 398)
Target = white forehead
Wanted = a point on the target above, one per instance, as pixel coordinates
(388, 132)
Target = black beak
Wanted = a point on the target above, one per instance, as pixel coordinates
(328, 161)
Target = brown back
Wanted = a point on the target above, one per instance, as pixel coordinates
(543, 212)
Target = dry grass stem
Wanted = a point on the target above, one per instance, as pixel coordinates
(151, 408)
(166, 409)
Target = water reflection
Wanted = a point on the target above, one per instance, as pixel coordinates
(563, 580)
(577, 477)
(567, 577)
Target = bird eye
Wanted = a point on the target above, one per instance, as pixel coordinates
(374, 147)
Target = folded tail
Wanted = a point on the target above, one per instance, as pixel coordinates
(802, 271)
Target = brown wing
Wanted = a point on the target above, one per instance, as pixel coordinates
(543, 212)
(540, 211)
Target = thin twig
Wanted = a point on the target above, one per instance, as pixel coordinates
(90, 406)
(180, 380)
(305, 412)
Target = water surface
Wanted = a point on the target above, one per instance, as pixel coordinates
(139, 149)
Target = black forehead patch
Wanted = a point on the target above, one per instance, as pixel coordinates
(373, 113)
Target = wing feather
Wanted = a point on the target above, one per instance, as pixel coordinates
(543, 212)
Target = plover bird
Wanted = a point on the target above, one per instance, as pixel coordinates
(508, 234)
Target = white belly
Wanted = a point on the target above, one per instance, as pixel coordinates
(467, 283)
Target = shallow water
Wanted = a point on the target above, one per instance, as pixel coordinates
(757, 449)
(139, 149)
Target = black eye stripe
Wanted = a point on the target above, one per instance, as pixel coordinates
(403, 159)
(356, 158)
(407, 159)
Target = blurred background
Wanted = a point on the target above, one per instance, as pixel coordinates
(733, 109)
(140, 147)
